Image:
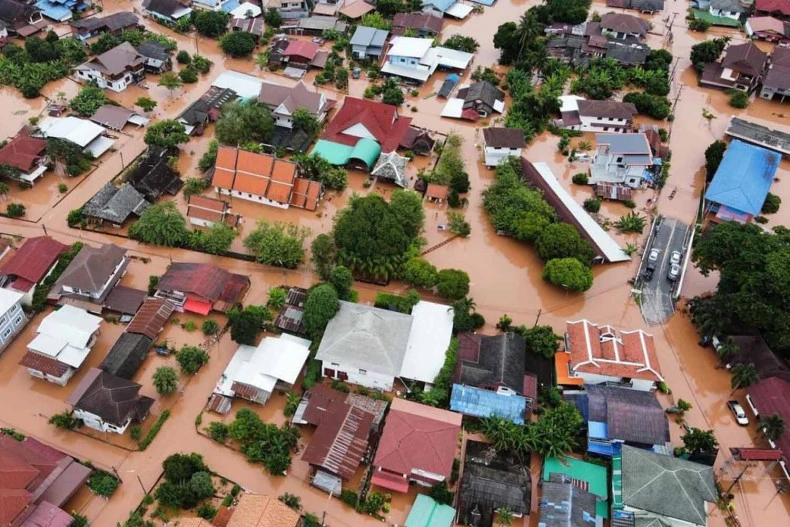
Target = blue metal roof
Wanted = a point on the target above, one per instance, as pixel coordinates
(484, 2)
(59, 10)
(744, 177)
(485, 403)
(439, 5)
(229, 6)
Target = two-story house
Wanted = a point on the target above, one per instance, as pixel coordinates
(108, 403)
(500, 144)
(289, 9)
(368, 42)
(621, 158)
(596, 116)
(621, 26)
(114, 23)
(115, 69)
(30, 266)
(732, 9)
(92, 274)
(741, 68)
(21, 19)
(283, 101)
(12, 318)
(26, 154)
(166, 11)
(415, 59)
(157, 56)
(776, 81)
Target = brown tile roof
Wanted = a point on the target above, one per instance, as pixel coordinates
(125, 300)
(44, 364)
(298, 96)
(419, 21)
(112, 116)
(23, 151)
(436, 191)
(356, 9)
(254, 510)
(116, 60)
(151, 317)
(610, 109)
(225, 168)
(504, 137)
(623, 23)
(210, 209)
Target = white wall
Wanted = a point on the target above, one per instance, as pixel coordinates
(672, 522)
(254, 198)
(727, 14)
(11, 322)
(369, 379)
(642, 385)
(495, 156)
(95, 422)
(600, 124)
(62, 380)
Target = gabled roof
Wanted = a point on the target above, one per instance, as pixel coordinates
(563, 504)
(419, 21)
(483, 91)
(355, 9)
(292, 97)
(116, 60)
(381, 121)
(647, 5)
(629, 55)
(126, 355)
(633, 416)
(320, 398)
(115, 204)
(767, 23)
(609, 108)
(497, 137)
(649, 479)
(366, 337)
(153, 49)
(770, 6)
(369, 37)
(151, 317)
(253, 173)
(15, 13)
(623, 23)
(92, 267)
(32, 261)
(153, 176)
(112, 22)
(255, 510)
(115, 117)
(125, 300)
(499, 363)
(734, 6)
(164, 7)
(772, 396)
(301, 48)
(744, 177)
(426, 512)
(477, 402)
(745, 58)
(23, 152)
(205, 281)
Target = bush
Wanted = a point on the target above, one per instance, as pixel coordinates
(151, 435)
(738, 98)
(291, 500)
(165, 380)
(78, 520)
(210, 327)
(348, 497)
(401, 304)
(202, 64)
(771, 204)
(136, 433)
(420, 273)
(191, 359)
(206, 511)
(63, 188)
(441, 494)
(568, 273)
(76, 219)
(562, 240)
(102, 483)
(88, 100)
(277, 298)
(629, 203)
(580, 178)
(189, 326)
(183, 57)
(277, 244)
(452, 284)
(218, 431)
(64, 420)
(201, 485)
(592, 204)
(188, 75)
(653, 106)
(237, 44)
(15, 210)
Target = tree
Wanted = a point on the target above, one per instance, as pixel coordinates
(88, 100)
(202, 64)
(504, 516)
(191, 359)
(291, 500)
(146, 104)
(319, 308)
(64, 420)
(273, 18)
(167, 133)
(392, 93)
(188, 74)
(738, 98)
(165, 380)
(707, 51)
(15, 210)
(562, 240)
(743, 376)
(713, 156)
(452, 284)
(376, 20)
(210, 23)
(698, 441)
(180, 468)
(342, 280)
(650, 105)
(200, 484)
(246, 324)
(568, 273)
(771, 426)
(194, 186)
(462, 43)
(441, 494)
(183, 57)
(305, 121)
(277, 298)
(244, 122)
(557, 430)
(420, 273)
(316, 168)
(237, 44)
(217, 238)
(541, 340)
(323, 253)
(170, 80)
(277, 244)
(771, 204)
(727, 350)
(210, 327)
(161, 224)
(631, 222)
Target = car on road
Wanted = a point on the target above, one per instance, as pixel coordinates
(653, 256)
(674, 272)
(649, 270)
(675, 257)
(737, 410)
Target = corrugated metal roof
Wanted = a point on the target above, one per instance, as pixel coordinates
(485, 403)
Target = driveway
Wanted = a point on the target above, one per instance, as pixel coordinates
(657, 304)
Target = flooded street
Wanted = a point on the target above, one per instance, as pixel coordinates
(505, 274)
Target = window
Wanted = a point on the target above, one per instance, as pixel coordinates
(2, 320)
(363, 372)
(6, 333)
(17, 320)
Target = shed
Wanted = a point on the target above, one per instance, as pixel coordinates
(151, 317)
(126, 355)
(125, 300)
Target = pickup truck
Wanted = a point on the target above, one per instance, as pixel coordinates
(649, 270)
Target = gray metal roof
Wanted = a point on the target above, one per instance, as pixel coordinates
(115, 204)
(563, 504)
(734, 6)
(630, 415)
(369, 37)
(366, 337)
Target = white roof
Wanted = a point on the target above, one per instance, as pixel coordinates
(79, 131)
(241, 11)
(429, 339)
(246, 86)
(610, 249)
(410, 46)
(499, 106)
(454, 108)
(274, 359)
(410, 72)
(459, 10)
(7, 300)
(65, 334)
(451, 58)
(138, 119)
(99, 145)
(569, 103)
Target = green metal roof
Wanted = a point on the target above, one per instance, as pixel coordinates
(427, 513)
(367, 151)
(594, 475)
(336, 153)
(617, 482)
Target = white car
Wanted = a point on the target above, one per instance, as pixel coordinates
(653, 256)
(675, 257)
(674, 272)
(737, 410)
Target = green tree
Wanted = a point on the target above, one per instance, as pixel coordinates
(698, 441)
(245, 325)
(200, 484)
(462, 43)
(170, 80)
(244, 122)
(342, 280)
(217, 238)
(727, 350)
(743, 376)
(180, 467)
(188, 75)
(305, 121)
(165, 380)
(167, 133)
(291, 500)
(323, 254)
(191, 359)
(452, 284)
(64, 420)
(557, 431)
(631, 222)
(541, 340)
(15, 210)
(568, 273)
(183, 57)
(441, 494)
(194, 186)
(146, 104)
(202, 64)
(273, 18)
(317, 168)
(738, 98)
(319, 308)
(771, 204)
(771, 426)
(277, 298)
(707, 51)
(420, 273)
(392, 93)
(210, 23)
(277, 244)
(376, 20)
(161, 224)
(210, 327)
(237, 44)
(650, 105)
(406, 206)
(562, 240)
(713, 156)
(88, 100)
(504, 517)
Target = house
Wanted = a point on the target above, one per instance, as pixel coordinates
(244, 10)
(288, 9)
(368, 42)
(591, 476)
(263, 178)
(599, 354)
(216, 5)
(283, 101)
(355, 9)
(205, 212)
(91, 275)
(116, 117)
(290, 316)
(62, 343)
(151, 318)
(495, 363)
(207, 108)
(621, 158)
(391, 167)
(157, 56)
(415, 59)
(621, 26)
(418, 140)
(153, 177)
(451, 8)
(93, 26)
(27, 155)
(480, 99)
(31, 264)
(587, 115)
(741, 68)
(251, 510)
(568, 210)
(360, 131)
(21, 19)
(643, 6)
(371, 347)
(436, 193)
(777, 8)
(12, 318)
(754, 350)
(107, 403)
(418, 445)
(201, 288)
(166, 11)
(426, 512)
(476, 402)
(253, 26)
(758, 134)
(424, 24)
(767, 28)
(627, 55)
(36, 482)
(115, 69)
(83, 133)
(499, 144)
(731, 9)
(254, 373)
(564, 503)
(776, 80)
(124, 301)
(492, 481)
(771, 396)
(61, 10)
(741, 183)
(314, 25)
(115, 205)
(646, 479)
(304, 55)
(617, 416)
(316, 402)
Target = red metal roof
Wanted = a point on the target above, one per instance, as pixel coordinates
(381, 120)
(772, 396)
(151, 317)
(44, 364)
(390, 481)
(771, 6)
(756, 454)
(202, 280)
(301, 48)
(196, 306)
(23, 152)
(32, 261)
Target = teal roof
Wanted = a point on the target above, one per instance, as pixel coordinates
(338, 154)
(427, 513)
(367, 151)
(594, 475)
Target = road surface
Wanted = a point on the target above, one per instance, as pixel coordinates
(657, 304)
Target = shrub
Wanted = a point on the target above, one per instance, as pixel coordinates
(206, 511)
(277, 298)
(441, 494)
(202, 64)
(580, 178)
(78, 520)
(218, 431)
(151, 435)
(291, 500)
(452, 284)
(64, 420)
(210, 327)
(348, 497)
(246, 324)
(165, 380)
(189, 326)
(136, 432)
(194, 186)
(183, 57)
(568, 273)
(201, 485)
(771, 204)
(76, 219)
(15, 210)
(592, 204)
(629, 203)
(420, 273)
(738, 98)
(191, 359)
(63, 188)
(188, 75)
(102, 483)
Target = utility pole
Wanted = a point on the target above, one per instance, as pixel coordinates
(737, 479)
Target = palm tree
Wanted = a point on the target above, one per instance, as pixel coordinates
(727, 350)
(743, 376)
(504, 517)
(772, 426)
(4, 190)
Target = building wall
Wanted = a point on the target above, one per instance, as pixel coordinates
(369, 379)
(11, 323)
(495, 156)
(252, 197)
(641, 385)
(602, 124)
(734, 15)
(95, 422)
(769, 93)
(62, 380)
(200, 223)
(117, 85)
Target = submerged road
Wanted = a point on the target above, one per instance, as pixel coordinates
(657, 303)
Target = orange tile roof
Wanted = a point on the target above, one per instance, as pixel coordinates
(203, 202)
(251, 184)
(561, 365)
(225, 167)
(256, 510)
(279, 192)
(284, 171)
(257, 174)
(436, 191)
(253, 163)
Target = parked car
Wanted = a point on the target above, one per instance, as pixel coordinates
(675, 257)
(737, 410)
(653, 256)
(674, 272)
(649, 270)
(356, 73)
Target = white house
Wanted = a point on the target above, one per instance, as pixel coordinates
(621, 158)
(115, 69)
(62, 343)
(108, 403)
(728, 8)
(254, 373)
(415, 59)
(596, 116)
(500, 144)
(451, 8)
(372, 347)
(12, 318)
(284, 100)
(82, 132)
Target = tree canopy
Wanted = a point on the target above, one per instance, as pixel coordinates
(562, 240)
(462, 43)
(713, 156)
(168, 133)
(244, 122)
(210, 23)
(161, 224)
(568, 273)
(541, 340)
(237, 44)
(88, 100)
(707, 51)
(277, 244)
(319, 308)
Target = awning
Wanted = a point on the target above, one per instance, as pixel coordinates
(390, 481)
(196, 306)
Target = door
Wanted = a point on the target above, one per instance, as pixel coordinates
(329, 372)
(343, 376)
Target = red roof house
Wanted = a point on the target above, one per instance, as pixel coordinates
(201, 287)
(360, 118)
(26, 154)
(31, 263)
(418, 444)
(301, 49)
(772, 396)
(773, 6)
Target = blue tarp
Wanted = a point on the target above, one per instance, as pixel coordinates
(485, 403)
(744, 177)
